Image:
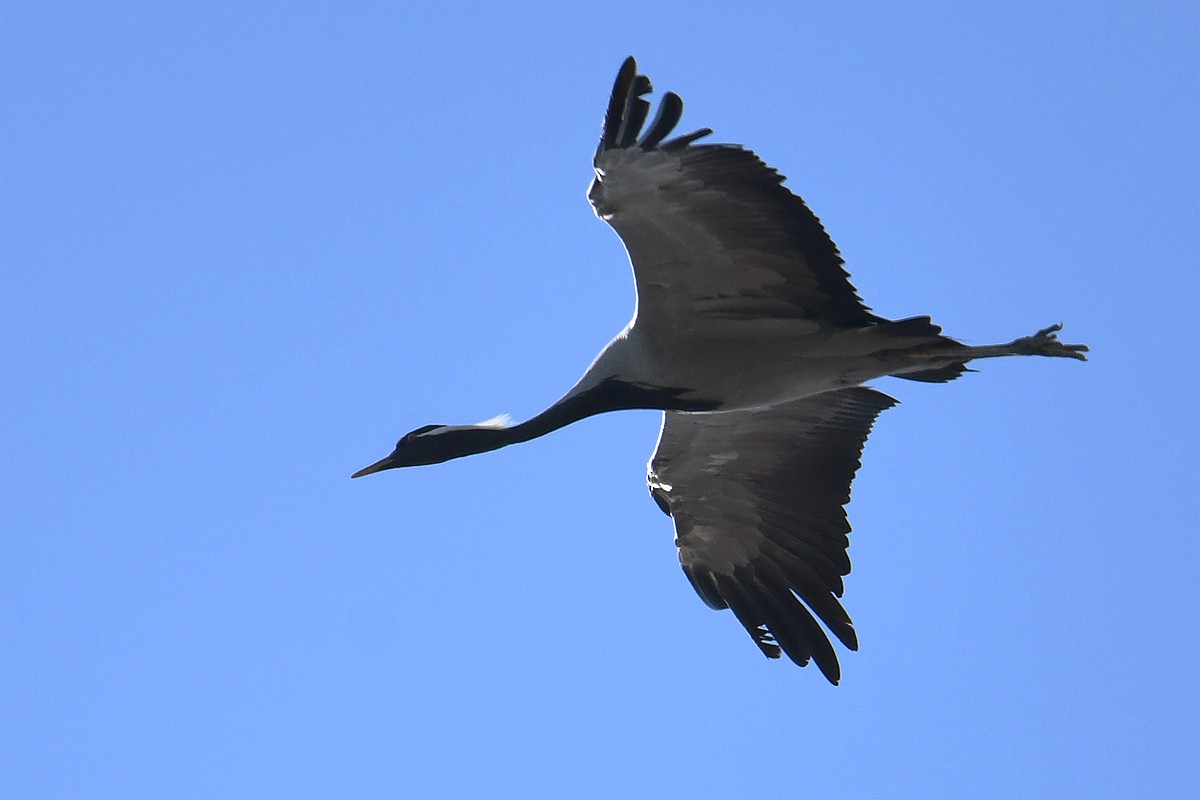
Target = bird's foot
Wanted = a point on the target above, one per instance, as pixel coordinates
(1045, 343)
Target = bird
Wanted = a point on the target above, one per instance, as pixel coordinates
(749, 337)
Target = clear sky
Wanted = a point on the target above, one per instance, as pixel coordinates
(245, 246)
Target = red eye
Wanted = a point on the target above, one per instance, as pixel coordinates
(411, 435)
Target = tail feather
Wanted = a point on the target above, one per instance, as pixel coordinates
(939, 375)
(912, 326)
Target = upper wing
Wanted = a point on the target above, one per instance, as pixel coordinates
(711, 231)
(757, 498)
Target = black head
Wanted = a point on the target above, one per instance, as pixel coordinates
(433, 444)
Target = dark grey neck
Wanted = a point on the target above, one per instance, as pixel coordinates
(611, 395)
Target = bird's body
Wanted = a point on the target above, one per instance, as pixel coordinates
(765, 362)
(749, 337)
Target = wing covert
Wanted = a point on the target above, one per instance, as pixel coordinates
(712, 233)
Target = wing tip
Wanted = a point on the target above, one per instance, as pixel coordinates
(626, 115)
(779, 623)
(618, 103)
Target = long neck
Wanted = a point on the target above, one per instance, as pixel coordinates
(573, 407)
(610, 395)
(468, 440)
(609, 384)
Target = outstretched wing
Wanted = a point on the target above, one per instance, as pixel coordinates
(757, 498)
(712, 233)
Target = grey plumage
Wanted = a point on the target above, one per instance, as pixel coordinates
(751, 339)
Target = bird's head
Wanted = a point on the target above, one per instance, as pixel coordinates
(433, 444)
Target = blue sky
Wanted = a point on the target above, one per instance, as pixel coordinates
(246, 246)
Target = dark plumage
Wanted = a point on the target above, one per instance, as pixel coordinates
(779, 510)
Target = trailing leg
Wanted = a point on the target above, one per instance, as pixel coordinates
(1043, 343)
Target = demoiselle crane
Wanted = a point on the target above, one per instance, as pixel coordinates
(748, 335)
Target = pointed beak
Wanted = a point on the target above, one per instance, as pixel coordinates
(379, 466)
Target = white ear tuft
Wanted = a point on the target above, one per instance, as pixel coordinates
(501, 421)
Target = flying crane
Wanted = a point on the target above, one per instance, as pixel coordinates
(749, 337)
